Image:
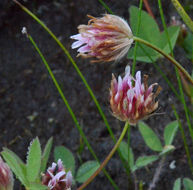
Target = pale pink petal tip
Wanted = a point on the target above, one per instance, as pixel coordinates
(69, 179)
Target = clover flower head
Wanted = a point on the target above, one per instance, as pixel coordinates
(131, 100)
(6, 176)
(56, 177)
(106, 39)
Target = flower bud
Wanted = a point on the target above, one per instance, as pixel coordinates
(6, 176)
(56, 177)
(130, 100)
(107, 38)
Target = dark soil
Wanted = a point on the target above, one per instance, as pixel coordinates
(26, 89)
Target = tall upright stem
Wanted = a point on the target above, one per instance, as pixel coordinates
(171, 59)
(136, 44)
(89, 180)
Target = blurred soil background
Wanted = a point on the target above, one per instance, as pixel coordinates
(30, 105)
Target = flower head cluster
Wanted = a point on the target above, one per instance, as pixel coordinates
(6, 177)
(107, 38)
(56, 177)
(131, 100)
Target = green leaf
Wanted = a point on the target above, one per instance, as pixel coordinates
(188, 45)
(150, 138)
(173, 32)
(141, 55)
(33, 160)
(124, 151)
(19, 161)
(170, 131)
(145, 160)
(86, 170)
(61, 152)
(46, 154)
(177, 184)
(148, 28)
(37, 186)
(149, 31)
(15, 166)
(188, 184)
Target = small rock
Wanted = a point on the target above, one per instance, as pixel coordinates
(172, 165)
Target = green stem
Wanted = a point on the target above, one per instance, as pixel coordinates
(164, 25)
(177, 72)
(73, 63)
(171, 59)
(184, 139)
(106, 6)
(141, 185)
(126, 166)
(190, 127)
(165, 77)
(90, 179)
(133, 72)
(136, 44)
(129, 145)
(78, 71)
(183, 14)
(70, 109)
(161, 72)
